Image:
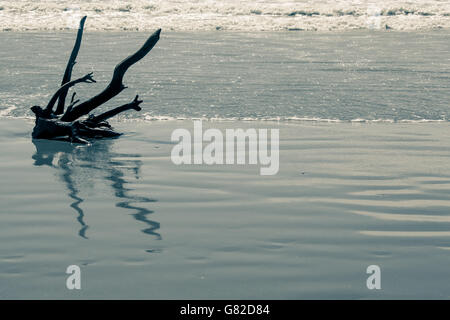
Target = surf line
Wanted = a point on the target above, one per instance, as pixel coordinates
(222, 148)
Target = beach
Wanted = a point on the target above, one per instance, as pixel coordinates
(360, 101)
(347, 196)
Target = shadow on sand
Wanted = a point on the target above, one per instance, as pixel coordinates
(78, 166)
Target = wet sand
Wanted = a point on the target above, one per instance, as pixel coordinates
(346, 196)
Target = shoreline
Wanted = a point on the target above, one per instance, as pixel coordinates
(169, 31)
(300, 121)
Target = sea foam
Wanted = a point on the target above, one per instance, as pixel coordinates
(238, 15)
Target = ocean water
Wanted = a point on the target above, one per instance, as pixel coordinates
(364, 171)
(349, 76)
(261, 15)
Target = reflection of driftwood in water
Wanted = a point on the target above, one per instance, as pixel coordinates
(97, 157)
(45, 155)
(118, 183)
(73, 193)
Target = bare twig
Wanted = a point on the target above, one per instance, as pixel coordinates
(69, 67)
(115, 86)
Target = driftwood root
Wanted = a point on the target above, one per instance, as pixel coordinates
(63, 123)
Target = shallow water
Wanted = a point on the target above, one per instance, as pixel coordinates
(362, 75)
(348, 194)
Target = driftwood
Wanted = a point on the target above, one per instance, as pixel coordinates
(63, 123)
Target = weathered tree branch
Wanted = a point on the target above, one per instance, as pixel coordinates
(50, 126)
(115, 86)
(72, 103)
(69, 67)
(87, 79)
(111, 113)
